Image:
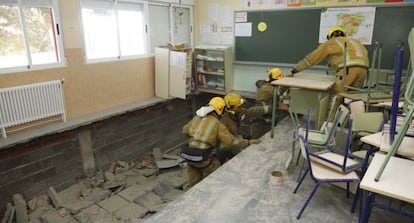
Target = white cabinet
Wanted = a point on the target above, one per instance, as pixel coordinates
(214, 69)
(173, 72)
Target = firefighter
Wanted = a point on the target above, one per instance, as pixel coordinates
(206, 132)
(332, 51)
(264, 100)
(231, 119)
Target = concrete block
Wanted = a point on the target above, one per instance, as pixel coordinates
(93, 213)
(131, 213)
(98, 194)
(134, 191)
(20, 207)
(9, 214)
(86, 150)
(53, 216)
(149, 200)
(57, 202)
(157, 153)
(70, 198)
(166, 191)
(113, 203)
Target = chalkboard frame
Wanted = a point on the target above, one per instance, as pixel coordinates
(287, 40)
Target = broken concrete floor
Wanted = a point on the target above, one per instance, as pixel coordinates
(125, 193)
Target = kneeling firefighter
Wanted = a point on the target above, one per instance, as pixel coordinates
(206, 132)
(264, 99)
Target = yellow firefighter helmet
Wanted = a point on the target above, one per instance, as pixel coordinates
(335, 30)
(218, 104)
(233, 101)
(274, 74)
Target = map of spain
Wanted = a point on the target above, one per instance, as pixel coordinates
(350, 22)
(358, 22)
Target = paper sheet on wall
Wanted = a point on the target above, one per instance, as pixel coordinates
(213, 12)
(243, 29)
(178, 59)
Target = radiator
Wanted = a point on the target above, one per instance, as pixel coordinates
(28, 103)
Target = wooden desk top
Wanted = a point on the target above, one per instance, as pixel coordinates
(381, 141)
(394, 181)
(308, 81)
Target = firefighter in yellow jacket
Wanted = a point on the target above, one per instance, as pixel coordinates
(264, 98)
(333, 51)
(231, 119)
(206, 132)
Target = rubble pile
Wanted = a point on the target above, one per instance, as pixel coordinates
(124, 193)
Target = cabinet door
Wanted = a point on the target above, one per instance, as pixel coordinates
(178, 74)
(162, 70)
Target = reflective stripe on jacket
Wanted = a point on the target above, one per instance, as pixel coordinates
(208, 131)
(333, 51)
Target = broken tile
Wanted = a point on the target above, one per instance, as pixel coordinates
(93, 213)
(157, 154)
(70, 198)
(149, 200)
(8, 214)
(20, 208)
(166, 191)
(131, 212)
(113, 203)
(54, 196)
(50, 215)
(134, 191)
(98, 194)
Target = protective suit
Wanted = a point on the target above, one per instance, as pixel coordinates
(206, 132)
(264, 99)
(333, 50)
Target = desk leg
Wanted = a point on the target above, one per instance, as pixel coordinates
(366, 207)
(275, 91)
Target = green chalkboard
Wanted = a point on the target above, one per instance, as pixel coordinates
(293, 33)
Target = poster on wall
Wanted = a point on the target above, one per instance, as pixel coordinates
(358, 22)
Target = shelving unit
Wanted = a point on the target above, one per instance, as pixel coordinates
(214, 69)
(173, 72)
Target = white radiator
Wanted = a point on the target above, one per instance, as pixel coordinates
(27, 103)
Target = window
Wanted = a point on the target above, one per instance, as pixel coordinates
(113, 29)
(159, 17)
(182, 30)
(30, 35)
(170, 23)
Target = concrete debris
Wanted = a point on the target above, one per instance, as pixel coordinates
(98, 194)
(93, 213)
(54, 197)
(20, 207)
(166, 191)
(147, 172)
(113, 203)
(8, 214)
(85, 191)
(53, 216)
(157, 154)
(131, 212)
(149, 200)
(125, 193)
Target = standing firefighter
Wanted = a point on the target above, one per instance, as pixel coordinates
(206, 132)
(334, 51)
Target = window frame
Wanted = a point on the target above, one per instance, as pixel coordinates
(58, 36)
(119, 56)
(190, 10)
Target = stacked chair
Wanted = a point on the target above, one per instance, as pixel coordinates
(330, 165)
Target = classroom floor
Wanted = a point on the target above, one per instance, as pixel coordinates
(241, 191)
